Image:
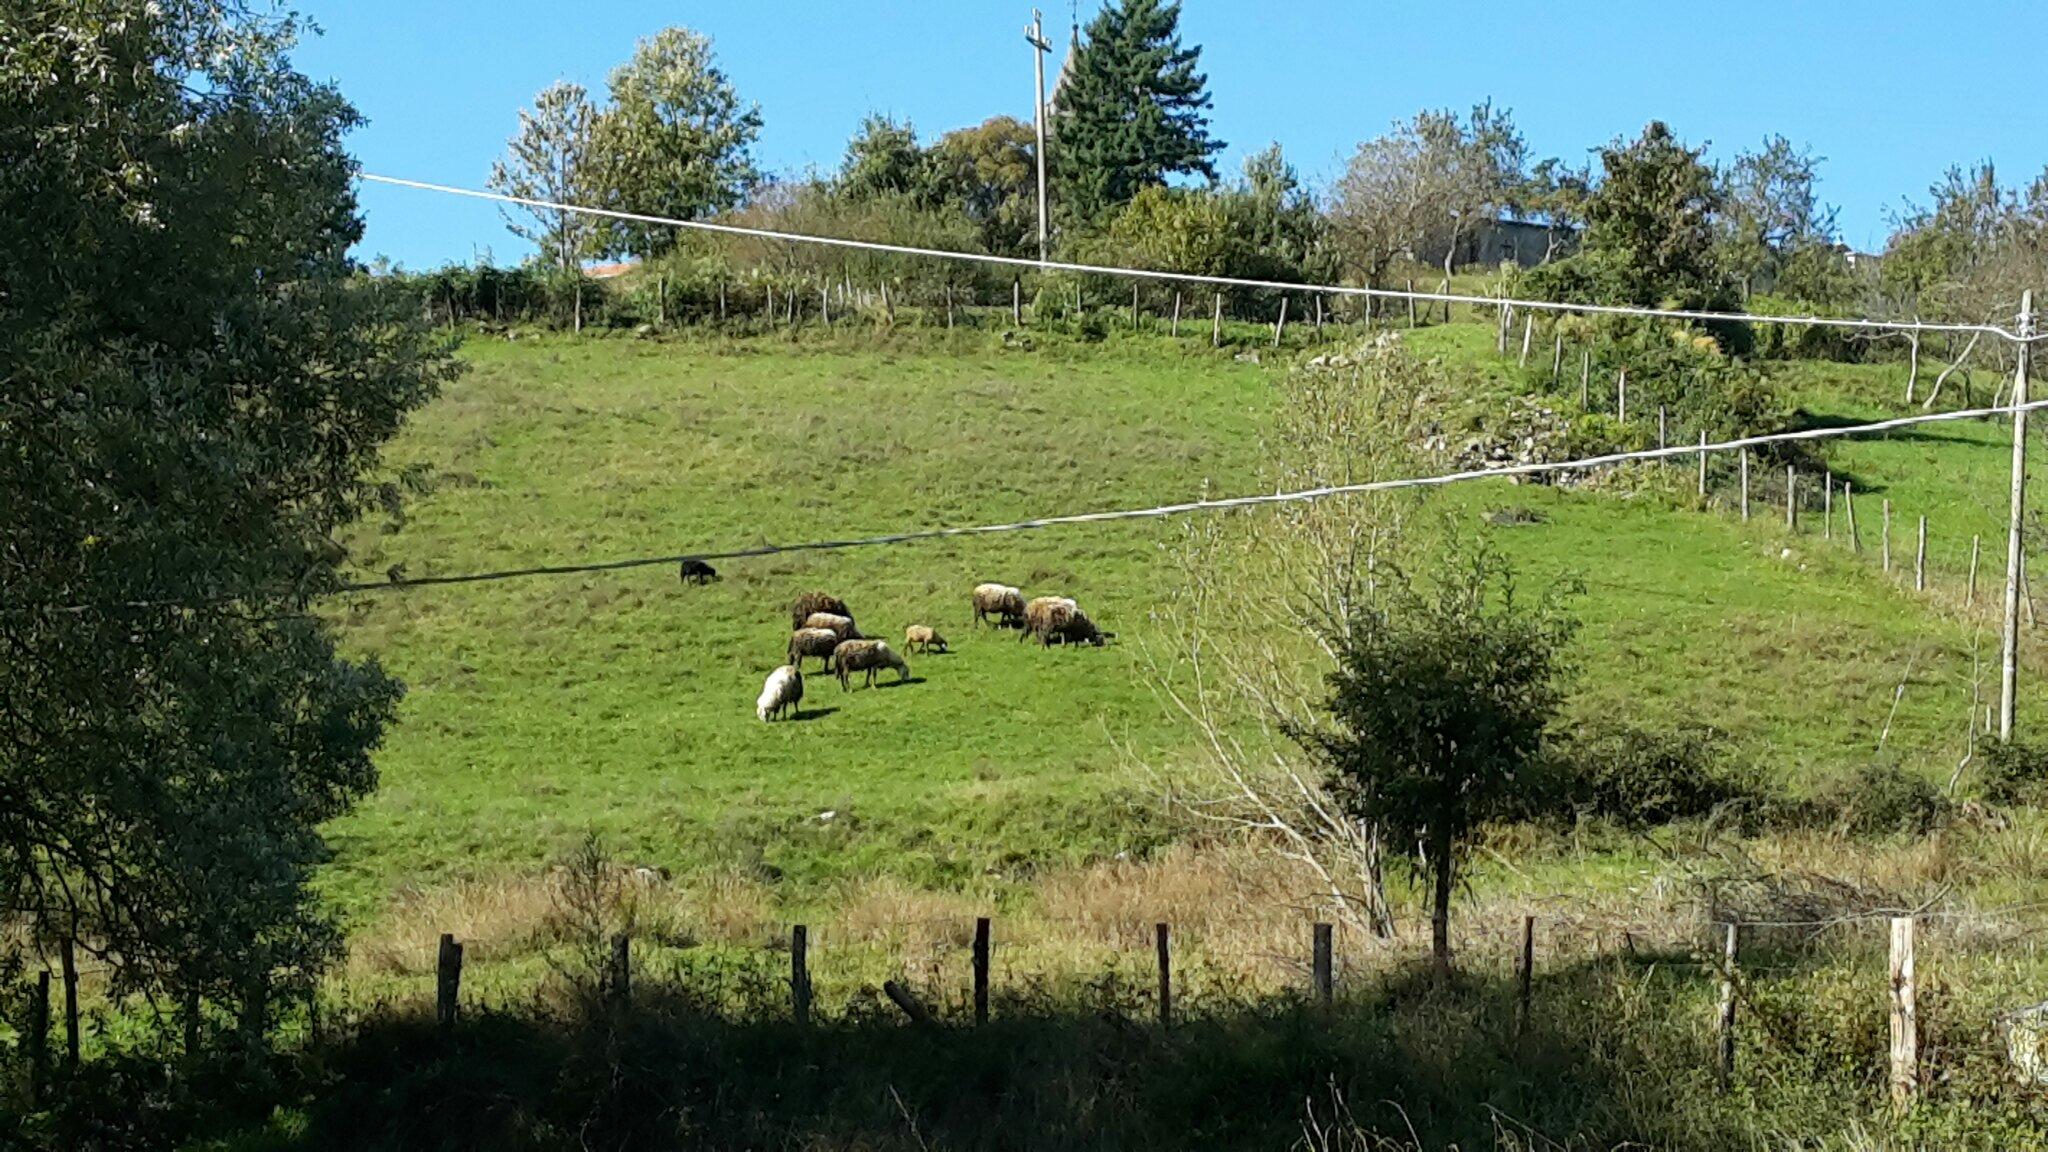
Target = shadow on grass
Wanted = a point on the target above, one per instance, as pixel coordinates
(1401, 1062)
(813, 713)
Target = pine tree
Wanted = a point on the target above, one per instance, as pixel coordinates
(1132, 112)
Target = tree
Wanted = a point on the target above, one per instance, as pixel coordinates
(1421, 190)
(549, 159)
(990, 171)
(1650, 231)
(1132, 112)
(675, 141)
(883, 159)
(1440, 702)
(1771, 216)
(198, 387)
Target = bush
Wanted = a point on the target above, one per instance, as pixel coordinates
(1646, 776)
(1880, 799)
(2014, 773)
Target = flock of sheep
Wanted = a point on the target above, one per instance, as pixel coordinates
(822, 627)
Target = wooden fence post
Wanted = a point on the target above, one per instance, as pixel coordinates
(949, 307)
(1556, 358)
(888, 305)
(1725, 1066)
(800, 974)
(1175, 330)
(36, 1045)
(1791, 499)
(1322, 966)
(825, 305)
(771, 303)
(1134, 305)
(1280, 325)
(721, 301)
(1503, 319)
(1524, 974)
(68, 956)
(1528, 333)
(1216, 325)
(1411, 303)
(1849, 507)
(901, 997)
(1661, 427)
(1319, 317)
(1920, 560)
(622, 968)
(661, 301)
(1016, 300)
(1585, 380)
(1745, 485)
(1886, 538)
(448, 981)
(1621, 396)
(1165, 949)
(1703, 464)
(1905, 1015)
(1970, 597)
(981, 947)
(1827, 505)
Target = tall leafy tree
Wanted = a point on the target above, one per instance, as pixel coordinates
(549, 159)
(1772, 220)
(883, 159)
(1133, 111)
(194, 390)
(990, 171)
(676, 140)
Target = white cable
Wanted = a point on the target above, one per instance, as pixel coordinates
(1165, 510)
(1192, 277)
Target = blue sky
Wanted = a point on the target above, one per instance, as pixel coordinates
(1889, 91)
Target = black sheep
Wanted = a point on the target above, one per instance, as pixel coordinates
(696, 571)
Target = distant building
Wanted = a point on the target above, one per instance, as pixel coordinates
(1060, 82)
(1526, 243)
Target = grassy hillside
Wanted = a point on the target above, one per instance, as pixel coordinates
(623, 702)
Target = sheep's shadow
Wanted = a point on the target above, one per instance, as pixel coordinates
(899, 683)
(813, 713)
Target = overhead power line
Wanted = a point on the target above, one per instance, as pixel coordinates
(1192, 506)
(1196, 278)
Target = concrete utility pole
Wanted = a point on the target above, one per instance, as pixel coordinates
(2015, 555)
(1035, 36)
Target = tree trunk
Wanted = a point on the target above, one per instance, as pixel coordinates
(1440, 911)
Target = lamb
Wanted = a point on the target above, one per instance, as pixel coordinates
(695, 571)
(781, 693)
(1001, 601)
(1046, 616)
(807, 642)
(811, 602)
(923, 638)
(869, 656)
(840, 625)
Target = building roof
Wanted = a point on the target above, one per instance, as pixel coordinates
(1059, 83)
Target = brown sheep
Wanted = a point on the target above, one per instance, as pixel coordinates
(923, 638)
(811, 602)
(1046, 616)
(869, 656)
(1079, 629)
(1001, 601)
(807, 642)
(842, 625)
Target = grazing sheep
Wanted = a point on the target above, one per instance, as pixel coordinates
(869, 656)
(695, 571)
(1046, 616)
(842, 626)
(1079, 629)
(923, 638)
(811, 602)
(808, 642)
(1001, 601)
(782, 692)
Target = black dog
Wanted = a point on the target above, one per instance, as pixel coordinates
(697, 572)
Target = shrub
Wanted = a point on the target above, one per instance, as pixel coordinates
(2014, 773)
(1879, 799)
(1646, 776)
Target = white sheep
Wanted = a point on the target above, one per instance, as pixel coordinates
(842, 626)
(1003, 602)
(782, 692)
